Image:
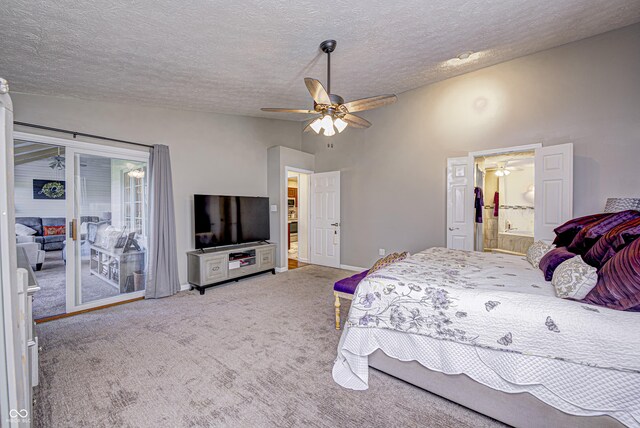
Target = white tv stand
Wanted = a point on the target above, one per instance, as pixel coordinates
(215, 266)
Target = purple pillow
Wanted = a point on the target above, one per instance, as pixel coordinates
(612, 242)
(552, 260)
(591, 233)
(618, 284)
(566, 232)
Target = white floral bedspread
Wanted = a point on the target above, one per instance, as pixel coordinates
(493, 301)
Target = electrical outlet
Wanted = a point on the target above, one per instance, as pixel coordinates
(382, 252)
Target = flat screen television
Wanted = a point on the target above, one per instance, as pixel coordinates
(229, 220)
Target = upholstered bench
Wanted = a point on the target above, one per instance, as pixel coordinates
(345, 288)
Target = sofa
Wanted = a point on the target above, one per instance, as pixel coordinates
(50, 242)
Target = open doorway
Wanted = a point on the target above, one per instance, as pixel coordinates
(504, 202)
(297, 219)
(490, 193)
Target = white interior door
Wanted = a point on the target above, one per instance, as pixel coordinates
(325, 219)
(460, 203)
(553, 189)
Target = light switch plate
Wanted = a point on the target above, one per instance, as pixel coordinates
(274, 208)
(382, 252)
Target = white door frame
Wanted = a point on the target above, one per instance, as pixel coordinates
(73, 147)
(284, 252)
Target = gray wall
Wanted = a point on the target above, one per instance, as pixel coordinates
(210, 153)
(279, 158)
(393, 174)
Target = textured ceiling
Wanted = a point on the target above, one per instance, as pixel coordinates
(236, 57)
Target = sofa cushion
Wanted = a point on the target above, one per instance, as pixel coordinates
(34, 223)
(54, 221)
(54, 238)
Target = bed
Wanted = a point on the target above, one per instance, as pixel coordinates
(487, 331)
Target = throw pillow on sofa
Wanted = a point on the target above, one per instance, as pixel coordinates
(54, 230)
(22, 230)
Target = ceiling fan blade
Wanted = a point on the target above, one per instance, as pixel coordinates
(288, 110)
(317, 91)
(370, 103)
(356, 121)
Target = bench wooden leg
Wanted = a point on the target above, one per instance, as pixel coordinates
(337, 306)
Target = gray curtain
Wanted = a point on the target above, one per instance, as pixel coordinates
(163, 260)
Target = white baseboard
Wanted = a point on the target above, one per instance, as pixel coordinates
(353, 268)
(282, 269)
(185, 287)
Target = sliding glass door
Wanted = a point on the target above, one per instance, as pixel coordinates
(107, 242)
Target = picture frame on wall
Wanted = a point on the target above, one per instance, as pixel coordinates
(49, 189)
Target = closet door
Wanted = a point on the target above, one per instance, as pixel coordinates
(553, 189)
(460, 203)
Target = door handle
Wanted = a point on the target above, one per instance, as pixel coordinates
(451, 229)
(335, 224)
(74, 229)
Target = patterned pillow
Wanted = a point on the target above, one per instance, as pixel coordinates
(567, 231)
(536, 251)
(590, 234)
(574, 279)
(54, 230)
(552, 260)
(612, 242)
(619, 280)
(387, 260)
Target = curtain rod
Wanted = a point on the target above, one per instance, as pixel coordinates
(82, 134)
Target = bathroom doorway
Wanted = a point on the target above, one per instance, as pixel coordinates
(297, 219)
(504, 202)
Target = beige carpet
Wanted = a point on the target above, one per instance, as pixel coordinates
(256, 353)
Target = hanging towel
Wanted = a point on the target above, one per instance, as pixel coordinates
(496, 204)
(479, 203)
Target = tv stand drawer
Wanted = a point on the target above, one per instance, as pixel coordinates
(213, 268)
(266, 258)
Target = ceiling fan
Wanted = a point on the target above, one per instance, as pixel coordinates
(331, 110)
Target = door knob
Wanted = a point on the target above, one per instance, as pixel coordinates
(335, 224)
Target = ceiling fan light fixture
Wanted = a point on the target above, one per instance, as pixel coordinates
(340, 124)
(327, 122)
(507, 172)
(316, 125)
(500, 173)
(329, 132)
